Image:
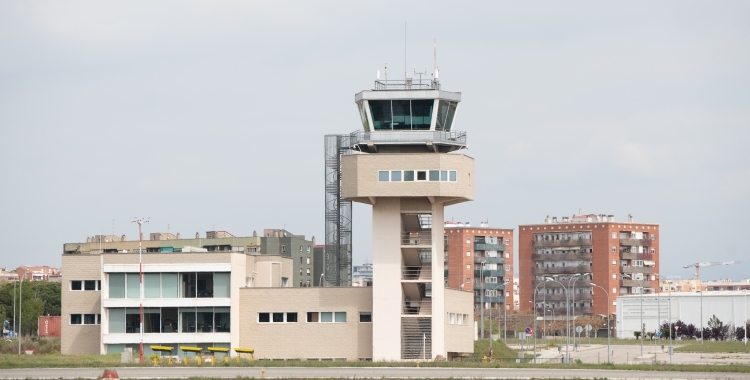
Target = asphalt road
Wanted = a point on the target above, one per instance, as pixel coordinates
(372, 372)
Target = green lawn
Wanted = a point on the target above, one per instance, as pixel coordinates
(712, 347)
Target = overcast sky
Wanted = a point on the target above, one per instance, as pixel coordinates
(211, 115)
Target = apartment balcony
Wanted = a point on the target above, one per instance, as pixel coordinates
(417, 308)
(636, 256)
(561, 297)
(561, 256)
(489, 260)
(489, 273)
(489, 247)
(636, 242)
(417, 273)
(631, 269)
(562, 243)
(562, 270)
(423, 238)
(580, 283)
(491, 286)
(634, 283)
(494, 299)
(561, 311)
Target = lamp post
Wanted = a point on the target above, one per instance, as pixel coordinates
(481, 296)
(641, 328)
(745, 321)
(505, 312)
(567, 314)
(702, 337)
(608, 334)
(534, 306)
(669, 312)
(575, 278)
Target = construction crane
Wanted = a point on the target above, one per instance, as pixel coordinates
(698, 266)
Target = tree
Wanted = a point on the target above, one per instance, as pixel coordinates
(716, 329)
(637, 334)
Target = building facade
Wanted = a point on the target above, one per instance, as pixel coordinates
(480, 260)
(652, 310)
(559, 260)
(189, 298)
(284, 243)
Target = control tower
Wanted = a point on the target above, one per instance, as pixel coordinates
(407, 166)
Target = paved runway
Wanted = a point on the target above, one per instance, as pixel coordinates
(358, 372)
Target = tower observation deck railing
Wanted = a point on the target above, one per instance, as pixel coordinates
(408, 136)
(408, 84)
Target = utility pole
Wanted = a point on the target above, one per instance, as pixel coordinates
(140, 293)
(20, 315)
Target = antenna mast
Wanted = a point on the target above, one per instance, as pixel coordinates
(140, 270)
(404, 51)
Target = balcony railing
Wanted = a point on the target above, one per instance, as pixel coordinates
(562, 243)
(561, 256)
(636, 256)
(581, 282)
(635, 283)
(489, 247)
(489, 273)
(561, 297)
(636, 242)
(420, 273)
(562, 270)
(562, 311)
(423, 307)
(631, 269)
(416, 238)
(489, 260)
(489, 285)
(493, 299)
(453, 138)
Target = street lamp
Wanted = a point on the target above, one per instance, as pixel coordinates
(576, 277)
(567, 314)
(643, 330)
(534, 306)
(745, 321)
(505, 313)
(608, 334)
(481, 297)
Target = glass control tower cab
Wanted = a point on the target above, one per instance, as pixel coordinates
(407, 166)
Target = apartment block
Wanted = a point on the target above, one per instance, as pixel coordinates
(561, 260)
(480, 259)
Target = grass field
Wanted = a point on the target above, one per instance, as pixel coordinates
(713, 347)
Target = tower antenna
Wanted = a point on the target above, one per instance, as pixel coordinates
(404, 51)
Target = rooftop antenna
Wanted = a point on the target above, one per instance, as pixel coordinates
(434, 58)
(404, 51)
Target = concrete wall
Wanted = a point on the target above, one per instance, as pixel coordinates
(459, 338)
(80, 339)
(306, 340)
(361, 176)
(387, 292)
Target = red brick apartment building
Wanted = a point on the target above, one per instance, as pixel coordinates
(622, 257)
(480, 259)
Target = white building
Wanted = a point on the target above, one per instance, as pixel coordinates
(690, 307)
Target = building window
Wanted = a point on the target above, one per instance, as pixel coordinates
(507, 255)
(76, 285)
(507, 268)
(291, 317)
(408, 175)
(614, 276)
(452, 175)
(300, 259)
(365, 317)
(308, 261)
(653, 250)
(75, 319)
(614, 249)
(468, 241)
(278, 317)
(443, 176)
(308, 249)
(395, 175)
(468, 280)
(434, 175)
(264, 317)
(383, 176)
(283, 249)
(307, 283)
(308, 271)
(300, 249)
(614, 263)
(89, 319)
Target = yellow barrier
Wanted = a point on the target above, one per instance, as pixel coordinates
(222, 350)
(196, 350)
(161, 349)
(242, 350)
